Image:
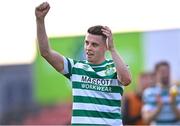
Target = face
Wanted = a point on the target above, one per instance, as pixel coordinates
(163, 74)
(95, 48)
(146, 80)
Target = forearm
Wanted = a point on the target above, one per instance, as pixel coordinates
(42, 38)
(150, 116)
(121, 68)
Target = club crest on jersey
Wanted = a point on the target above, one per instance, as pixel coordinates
(109, 70)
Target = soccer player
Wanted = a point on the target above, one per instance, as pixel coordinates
(161, 107)
(97, 83)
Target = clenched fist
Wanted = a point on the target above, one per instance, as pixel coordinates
(42, 10)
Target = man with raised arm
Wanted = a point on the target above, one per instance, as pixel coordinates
(97, 82)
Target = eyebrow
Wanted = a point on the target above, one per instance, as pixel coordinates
(91, 41)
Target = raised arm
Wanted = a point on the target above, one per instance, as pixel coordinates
(54, 58)
(121, 68)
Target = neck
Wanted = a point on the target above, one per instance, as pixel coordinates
(164, 85)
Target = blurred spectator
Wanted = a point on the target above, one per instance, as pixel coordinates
(53, 114)
(160, 105)
(132, 103)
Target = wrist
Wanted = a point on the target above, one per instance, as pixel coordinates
(40, 20)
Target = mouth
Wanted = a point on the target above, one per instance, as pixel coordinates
(89, 54)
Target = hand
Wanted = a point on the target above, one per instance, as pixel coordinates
(42, 10)
(107, 32)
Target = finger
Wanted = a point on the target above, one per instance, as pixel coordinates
(107, 31)
(106, 34)
(43, 6)
(46, 10)
(107, 28)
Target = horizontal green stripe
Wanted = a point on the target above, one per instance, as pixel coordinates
(92, 74)
(114, 89)
(100, 101)
(89, 113)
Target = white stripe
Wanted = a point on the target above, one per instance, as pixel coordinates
(92, 120)
(78, 78)
(165, 99)
(103, 72)
(166, 113)
(95, 107)
(96, 94)
(178, 106)
(89, 68)
(66, 70)
(81, 66)
(148, 107)
(71, 62)
(104, 65)
(66, 67)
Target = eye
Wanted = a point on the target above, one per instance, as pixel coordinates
(95, 44)
(86, 42)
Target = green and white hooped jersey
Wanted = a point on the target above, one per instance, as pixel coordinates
(96, 92)
(166, 116)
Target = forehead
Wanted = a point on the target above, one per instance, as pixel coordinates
(163, 67)
(94, 38)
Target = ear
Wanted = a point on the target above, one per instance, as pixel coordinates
(105, 42)
(106, 45)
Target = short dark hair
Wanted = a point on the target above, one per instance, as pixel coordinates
(162, 63)
(96, 30)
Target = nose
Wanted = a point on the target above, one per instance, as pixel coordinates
(88, 47)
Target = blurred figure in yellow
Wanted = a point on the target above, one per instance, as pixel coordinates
(132, 103)
(162, 102)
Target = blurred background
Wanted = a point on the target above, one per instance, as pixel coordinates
(32, 92)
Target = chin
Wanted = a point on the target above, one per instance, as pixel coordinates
(90, 60)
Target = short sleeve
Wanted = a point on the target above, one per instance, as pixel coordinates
(68, 65)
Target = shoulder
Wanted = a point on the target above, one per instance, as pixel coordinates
(72, 61)
(151, 91)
